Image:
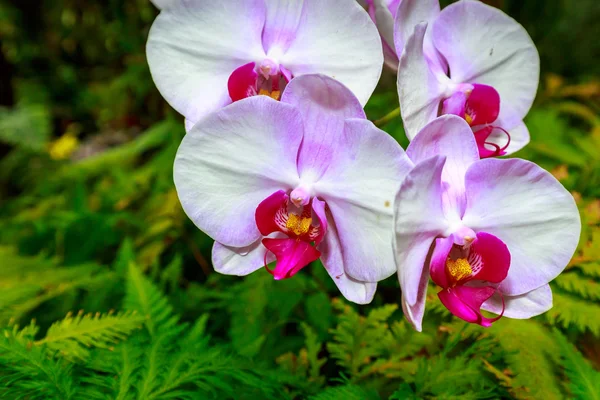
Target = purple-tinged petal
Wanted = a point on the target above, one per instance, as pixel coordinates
(234, 159)
(194, 47)
(414, 313)
(452, 137)
(523, 306)
(419, 219)
(465, 303)
(331, 255)
(360, 195)
(382, 13)
(283, 20)
(483, 45)
(356, 59)
(409, 14)
(530, 211)
(318, 208)
(420, 90)
(292, 255)
(240, 261)
(188, 125)
(324, 104)
(455, 104)
(437, 267)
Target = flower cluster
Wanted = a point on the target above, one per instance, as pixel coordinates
(281, 167)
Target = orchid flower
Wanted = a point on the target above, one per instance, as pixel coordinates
(491, 233)
(384, 13)
(204, 55)
(295, 181)
(470, 60)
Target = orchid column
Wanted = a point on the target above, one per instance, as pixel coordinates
(294, 181)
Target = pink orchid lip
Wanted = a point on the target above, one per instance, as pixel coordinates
(469, 269)
(299, 221)
(479, 105)
(481, 137)
(267, 78)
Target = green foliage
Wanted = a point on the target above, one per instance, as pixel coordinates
(529, 347)
(27, 127)
(73, 335)
(90, 220)
(584, 381)
(26, 371)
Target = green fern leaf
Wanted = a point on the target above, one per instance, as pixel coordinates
(72, 336)
(591, 269)
(27, 372)
(142, 296)
(28, 282)
(347, 392)
(574, 283)
(584, 381)
(570, 310)
(357, 339)
(531, 354)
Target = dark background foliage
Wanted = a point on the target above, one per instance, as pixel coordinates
(90, 221)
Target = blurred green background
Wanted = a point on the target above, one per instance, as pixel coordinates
(106, 288)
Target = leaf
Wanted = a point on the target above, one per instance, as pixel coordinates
(27, 372)
(579, 285)
(357, 339)
(347, 392)
(142, 296)
(571, 311)
(26, 126)
(584, 381)
(72, 336)
(531, 354)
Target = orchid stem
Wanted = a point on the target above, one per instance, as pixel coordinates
(388, 117)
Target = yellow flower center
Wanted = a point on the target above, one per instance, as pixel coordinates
(298, 225)
(275, 94)
(459, 269)
(469, 119)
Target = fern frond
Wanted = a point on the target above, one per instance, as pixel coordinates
(307, 364)
(452, 377)
(27, 372)
(113, 374)
(584, 381)
(347, 392)
(72, 336)
(591, 269)
(574, 283)
(27, 282)
(142, 296)
(570, 310)
(357, 339)
(531, 354)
